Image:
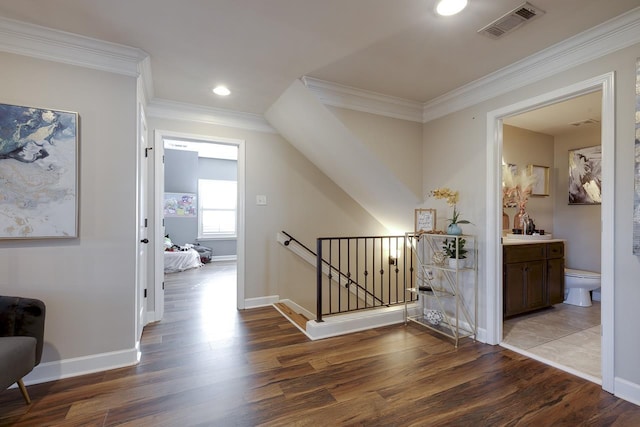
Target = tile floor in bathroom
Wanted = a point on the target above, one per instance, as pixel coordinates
(564, 334)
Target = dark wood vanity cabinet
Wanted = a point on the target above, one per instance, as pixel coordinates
(533, 276)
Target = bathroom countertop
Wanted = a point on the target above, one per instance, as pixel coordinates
(506, 241)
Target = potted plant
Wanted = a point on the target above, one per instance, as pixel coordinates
(455, 251)
(453, 227)
(452, 198)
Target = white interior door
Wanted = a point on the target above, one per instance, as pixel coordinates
(143, 235)
(159, 232)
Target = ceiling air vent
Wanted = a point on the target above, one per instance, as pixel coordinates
(511, 20)
(585, 122)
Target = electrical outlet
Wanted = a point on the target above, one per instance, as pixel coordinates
(261, 200)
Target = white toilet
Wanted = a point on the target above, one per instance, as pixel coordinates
(578, 283)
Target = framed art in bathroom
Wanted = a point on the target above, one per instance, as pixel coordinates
(38, 172)
(585, 176)
(541, 187)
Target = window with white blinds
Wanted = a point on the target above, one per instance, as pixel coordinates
(217, 208)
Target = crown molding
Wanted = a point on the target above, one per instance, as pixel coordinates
(608, 37)
(172, 110)
(59, 46)
(146, 77)
(342, 96)
(44, 43)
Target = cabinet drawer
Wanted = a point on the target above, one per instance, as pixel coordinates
(555, 250)
(522, 253)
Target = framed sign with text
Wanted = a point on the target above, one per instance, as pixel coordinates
(425, 220)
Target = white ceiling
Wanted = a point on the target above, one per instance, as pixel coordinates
(562, 117)
(259, 47)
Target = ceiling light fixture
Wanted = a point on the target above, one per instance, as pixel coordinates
(221, 90)
(450, 7)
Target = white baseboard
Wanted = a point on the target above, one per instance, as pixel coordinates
(151, 317)
(66, 368)
(224, 258)
(332, 326)
(482, 335)
(627, 390)
(342, 324)
(261, 301)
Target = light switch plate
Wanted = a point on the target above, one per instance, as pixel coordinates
(261, 200)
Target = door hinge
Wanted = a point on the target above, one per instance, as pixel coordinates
(145, 293)
(146, 222)
(163, 286)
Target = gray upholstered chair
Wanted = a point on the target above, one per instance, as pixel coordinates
(21, 339)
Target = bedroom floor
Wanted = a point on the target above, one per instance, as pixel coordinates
(216, 279)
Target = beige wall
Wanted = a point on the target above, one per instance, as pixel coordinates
(523, 147)
(454, 156)
(88, 284)
(578, 224)
(454, 153)
(397, 143)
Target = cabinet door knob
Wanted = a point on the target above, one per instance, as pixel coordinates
(144, 241)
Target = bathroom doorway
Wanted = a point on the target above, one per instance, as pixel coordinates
(564, 335)
(495, 133)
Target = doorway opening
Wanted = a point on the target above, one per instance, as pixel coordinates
(494, 291)
(203, 166)
(567, 333)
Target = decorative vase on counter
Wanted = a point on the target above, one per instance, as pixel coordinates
(505, 220)
(454, 230)
(518, 219)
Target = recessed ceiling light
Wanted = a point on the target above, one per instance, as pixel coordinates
(221, 90)
(450, 7)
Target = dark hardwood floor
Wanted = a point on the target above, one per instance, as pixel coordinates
(207, 364)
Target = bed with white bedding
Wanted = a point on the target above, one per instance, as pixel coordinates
(175, 261)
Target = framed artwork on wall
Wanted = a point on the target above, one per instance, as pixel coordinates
(425, 220)
(541, 187)
(38, 173)
(585, 176)
(180, 205)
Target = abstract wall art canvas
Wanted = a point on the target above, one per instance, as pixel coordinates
(636, 196)
(38, 173)
(585, 176)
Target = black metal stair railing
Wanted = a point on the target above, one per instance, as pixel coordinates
(342, 277)
(372, 271)
(357, 273)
